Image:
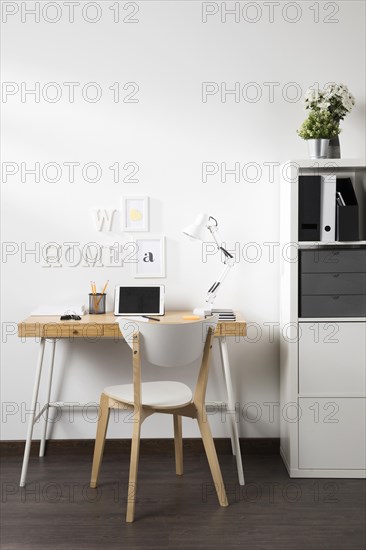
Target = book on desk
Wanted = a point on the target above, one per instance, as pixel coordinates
(225, 314)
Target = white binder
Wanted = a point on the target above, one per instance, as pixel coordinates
(328, 208)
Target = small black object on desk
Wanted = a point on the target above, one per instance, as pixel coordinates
(70, 318)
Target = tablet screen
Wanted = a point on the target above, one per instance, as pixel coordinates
(139, 300)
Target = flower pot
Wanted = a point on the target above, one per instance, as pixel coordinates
(318, 148)
(334, 151)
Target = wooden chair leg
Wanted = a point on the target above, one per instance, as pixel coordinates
(212, 458)
(178, 444)
(100, 439)
(132, 482)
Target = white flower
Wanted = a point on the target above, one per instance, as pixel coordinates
(323, 104)
(334, 97)
(311, 95)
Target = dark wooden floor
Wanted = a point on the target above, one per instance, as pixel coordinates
(57, 510)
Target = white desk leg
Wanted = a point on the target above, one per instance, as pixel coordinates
(229, 391)
(44, 434)
(33, 412)
(231, 406)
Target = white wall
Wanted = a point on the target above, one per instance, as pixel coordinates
(169, 133)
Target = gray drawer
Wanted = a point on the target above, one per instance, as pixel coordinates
(333, 283)
(330, 261)
(351, 305)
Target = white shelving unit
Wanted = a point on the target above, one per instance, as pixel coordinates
(323, 359)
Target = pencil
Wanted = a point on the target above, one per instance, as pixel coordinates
(103, 291)
(94, 291)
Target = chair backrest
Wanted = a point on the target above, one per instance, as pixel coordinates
(169, 344)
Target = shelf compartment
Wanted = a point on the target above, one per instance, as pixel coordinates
(332, 433)
(340, 260)
(333, 283)
(337, 305)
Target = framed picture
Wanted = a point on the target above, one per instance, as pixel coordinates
(150, 253)
(135, 213)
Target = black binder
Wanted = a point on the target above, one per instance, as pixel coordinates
(347, 213)
(309, 208)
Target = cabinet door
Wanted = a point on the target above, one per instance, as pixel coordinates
(332, 358)
(332, 433)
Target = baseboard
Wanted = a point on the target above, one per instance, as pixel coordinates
(248, 445)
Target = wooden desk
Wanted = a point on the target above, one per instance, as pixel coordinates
(97, 327)
(106, 326)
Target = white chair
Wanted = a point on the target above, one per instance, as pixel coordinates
(166, 345)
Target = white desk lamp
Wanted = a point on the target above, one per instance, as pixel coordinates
(198, 230)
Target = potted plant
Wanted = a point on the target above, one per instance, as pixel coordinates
(335, 99)
(317, 130)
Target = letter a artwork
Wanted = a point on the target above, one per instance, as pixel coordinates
(148, 257)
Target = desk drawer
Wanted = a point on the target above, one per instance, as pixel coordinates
(333, 305)
(333, 261)
(227, 328)
(333, 283)
(112, 331)
(87, 331)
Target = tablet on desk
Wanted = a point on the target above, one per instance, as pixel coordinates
(139, 300)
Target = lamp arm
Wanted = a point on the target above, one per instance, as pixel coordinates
(218, 240)
(228, 262)
(213, 290)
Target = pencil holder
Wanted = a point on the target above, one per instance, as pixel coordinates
(97, 303)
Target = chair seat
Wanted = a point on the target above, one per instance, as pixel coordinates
(155, 394)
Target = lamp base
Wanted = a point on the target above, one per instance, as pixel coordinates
(203, 311)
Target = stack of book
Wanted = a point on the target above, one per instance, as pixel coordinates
(225, 314)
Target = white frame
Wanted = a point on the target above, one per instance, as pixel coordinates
(159, 273)
(130, 226)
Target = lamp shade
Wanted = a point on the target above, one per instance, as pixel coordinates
(197, 229)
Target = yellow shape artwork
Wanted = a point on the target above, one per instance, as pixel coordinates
(135, 215)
